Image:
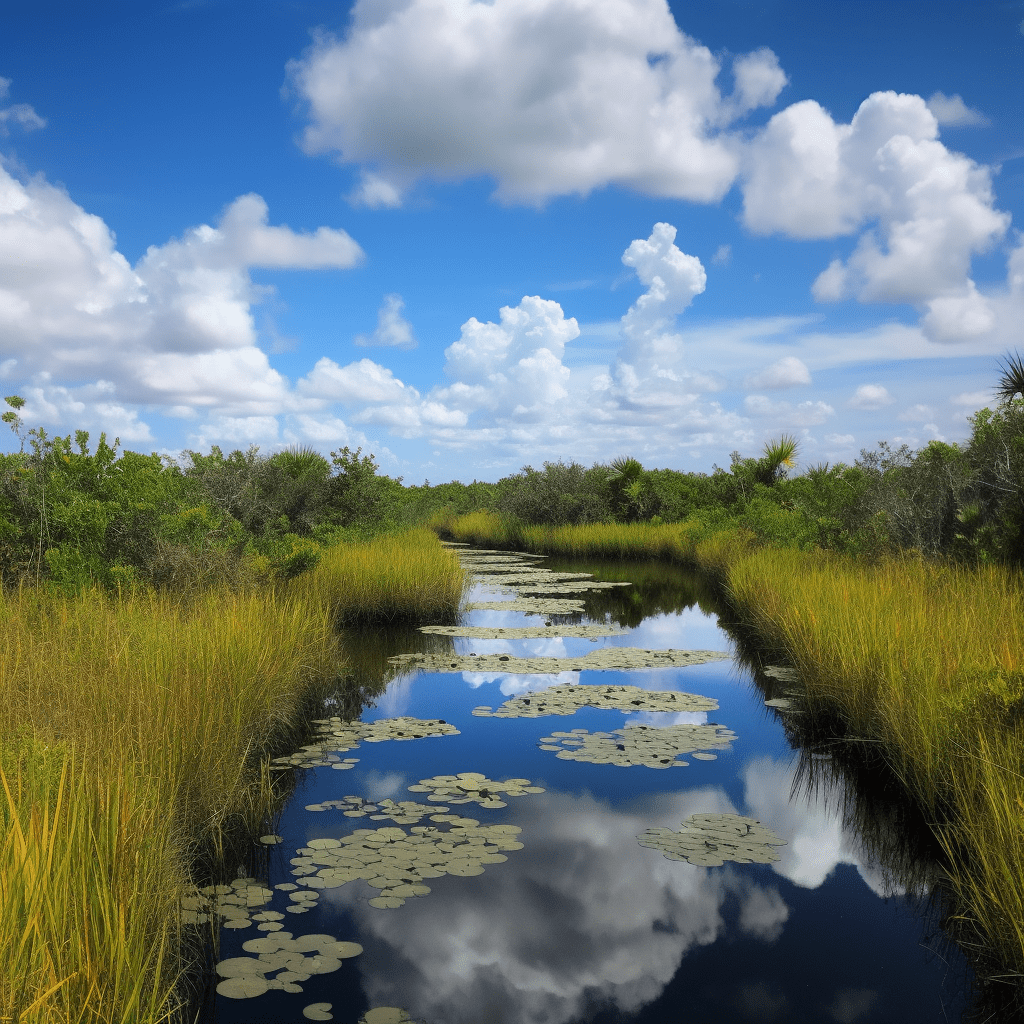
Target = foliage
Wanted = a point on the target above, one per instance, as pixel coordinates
(560, 494)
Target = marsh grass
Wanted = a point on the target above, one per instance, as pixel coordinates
(135, 734)
(923, 660)
(405, 577)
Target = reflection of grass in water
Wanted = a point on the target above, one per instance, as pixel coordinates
(135, 736)
(926, 660)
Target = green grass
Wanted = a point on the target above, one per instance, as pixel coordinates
(134, 736)
(924, 659)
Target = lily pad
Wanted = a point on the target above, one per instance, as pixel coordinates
(568, 698)
(318, 1011)
(709, 840)
(645, 745)
(525, 632)
(385, 1015)
(605, 658)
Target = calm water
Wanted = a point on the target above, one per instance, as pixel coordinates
(584, 924)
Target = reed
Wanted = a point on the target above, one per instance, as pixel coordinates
(135, 734)
(405, 577)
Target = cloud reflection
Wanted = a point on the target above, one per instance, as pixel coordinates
(584, 916)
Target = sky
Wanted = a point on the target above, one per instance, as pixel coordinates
(473, 235)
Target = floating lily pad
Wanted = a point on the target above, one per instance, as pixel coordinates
(709, 840)
(525, 632)
(397, 862)
(472, 787)
(318, 1011)
(246, 987)
(339, 736)
(607, 658)
(568, 698)
(385, 1015)
(531, 606)
(271, 840)
(645, 745)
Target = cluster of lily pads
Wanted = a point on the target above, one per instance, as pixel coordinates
(402, 812)
(603, 659)
(531, 606)
(397, 862)
(568, 698)
(338, 736)
(292, 959)
(472, 787)
(232, 905)
(588, 630)
(639, 745)
(709, 840)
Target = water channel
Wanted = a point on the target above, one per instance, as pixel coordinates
(559, 915)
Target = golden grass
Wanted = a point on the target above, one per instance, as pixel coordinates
(925, 659)
(134, 733)
(392, 578)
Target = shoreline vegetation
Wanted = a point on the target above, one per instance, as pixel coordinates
(167, 628)
(136, 732)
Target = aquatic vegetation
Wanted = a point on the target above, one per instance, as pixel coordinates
(651, 746)
(340, 736)
(397, 862)
(385, 1015)
(402, 812)
(568, 698)
(614, 658)
(230, 905)
(529, 605)
(472, 787)
(294, 960)
(587, 631)
(709, 840)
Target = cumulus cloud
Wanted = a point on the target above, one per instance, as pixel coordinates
(805, 414)
(176, 330)
(952, 111)
(393, 330)
(786, 372)
(870, 396)
(926, 209)
(549, 97)
(21, 114)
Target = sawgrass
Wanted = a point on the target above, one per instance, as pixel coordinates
(135, 735)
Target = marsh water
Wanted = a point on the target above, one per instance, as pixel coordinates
(570, 919)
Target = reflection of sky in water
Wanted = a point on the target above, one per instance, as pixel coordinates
(583, 918)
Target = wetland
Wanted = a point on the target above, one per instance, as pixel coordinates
(492, 835)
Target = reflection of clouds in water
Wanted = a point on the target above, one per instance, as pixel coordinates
(512, 684)
(581, 915)
(539, 647)
(380, 785)
(691, 629)
(661, 719)
(394, 701)
(850, 1004)
(816, 839)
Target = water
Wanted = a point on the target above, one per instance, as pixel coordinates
(583, 923)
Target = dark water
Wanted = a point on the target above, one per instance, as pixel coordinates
(585, 925)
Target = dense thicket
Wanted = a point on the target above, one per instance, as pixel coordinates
(73, 516)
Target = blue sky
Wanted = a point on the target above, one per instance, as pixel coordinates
(468, 236)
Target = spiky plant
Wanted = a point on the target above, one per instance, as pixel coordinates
(778, 456)
(1011, 383)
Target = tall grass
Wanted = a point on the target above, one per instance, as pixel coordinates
(393, 578)
(134, 735)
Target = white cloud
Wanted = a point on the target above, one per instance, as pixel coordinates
(393, 330)
(809, 177)
(17, 113)
(783, 414)
(722, 255)
(916, 414)
(550, 97)
(870, 396)
(952, 111)
(174, 331)
(786, 372)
